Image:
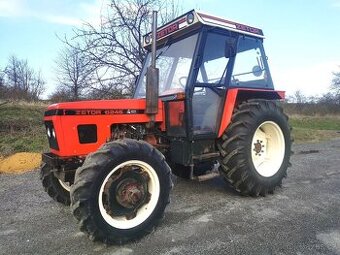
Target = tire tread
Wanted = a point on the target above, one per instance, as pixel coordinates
(233, 164)
(86, 176)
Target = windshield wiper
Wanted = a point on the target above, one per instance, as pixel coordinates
(161, 53)
(224, 73)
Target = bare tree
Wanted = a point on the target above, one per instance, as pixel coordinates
(326, 98)
(12, 73)
(2, 78)
(298, 97)
(60, 95)
(21, 81)
(114, 49)
(3, 89)
(74, 74)
(37, 87)
(335, 87)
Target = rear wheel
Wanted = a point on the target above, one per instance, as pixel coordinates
(55, 188)
(121, 191)
(256, 147)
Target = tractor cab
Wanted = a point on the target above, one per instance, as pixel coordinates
(200, 58)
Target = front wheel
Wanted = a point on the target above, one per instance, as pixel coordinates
(55, 188)
(256, 147)
(121, 191)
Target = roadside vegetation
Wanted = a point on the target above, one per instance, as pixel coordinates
(21, 128)
(309, 129)
(314, 122)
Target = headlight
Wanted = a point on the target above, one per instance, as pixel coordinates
(51, 135)
(147, 39)
(190, 18)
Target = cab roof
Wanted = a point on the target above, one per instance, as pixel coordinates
(195, 19)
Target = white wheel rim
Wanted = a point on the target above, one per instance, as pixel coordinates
(145, 210)
(65, 185)
(268, 149)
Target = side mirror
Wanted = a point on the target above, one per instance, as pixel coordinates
(230, 47)
(257, 71)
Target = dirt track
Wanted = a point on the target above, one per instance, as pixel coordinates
(204, 218)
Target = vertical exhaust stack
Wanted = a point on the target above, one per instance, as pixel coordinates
(152, 77)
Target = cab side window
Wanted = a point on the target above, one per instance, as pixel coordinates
(213, 66)
(250, 69)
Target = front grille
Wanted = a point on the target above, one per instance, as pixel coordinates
(87, 133)
(51, 135)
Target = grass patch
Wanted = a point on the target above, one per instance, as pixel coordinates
(19, 117)
(27, 141)
(316, 122)
(304, 135)
(21, 128)
(310, 109)
(314, 128)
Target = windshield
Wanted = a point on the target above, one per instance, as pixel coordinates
(174, 63)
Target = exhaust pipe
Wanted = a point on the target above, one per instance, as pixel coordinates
(152, 77)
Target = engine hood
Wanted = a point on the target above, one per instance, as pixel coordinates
(99, 107)
(68, 123)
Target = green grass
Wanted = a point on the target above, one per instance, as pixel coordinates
(21, 128)
(305, 135)
(314, 128)
(316, 122)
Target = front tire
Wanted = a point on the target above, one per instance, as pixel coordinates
(121, 191)
(256, 147)
(55, 188)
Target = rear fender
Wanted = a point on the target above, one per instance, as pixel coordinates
(236, 96)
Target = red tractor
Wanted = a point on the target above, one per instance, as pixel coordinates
(210, 102)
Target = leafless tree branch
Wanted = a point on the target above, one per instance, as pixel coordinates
(113, 51)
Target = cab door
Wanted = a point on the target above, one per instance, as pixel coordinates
(211, 84)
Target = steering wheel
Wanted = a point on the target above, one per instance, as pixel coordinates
(183, 81)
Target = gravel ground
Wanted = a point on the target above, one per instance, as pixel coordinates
(204, 218)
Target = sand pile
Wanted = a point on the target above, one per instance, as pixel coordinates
(20, 162)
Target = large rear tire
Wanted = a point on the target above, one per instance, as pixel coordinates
(121, 191)
(256, 147)
(55, 188)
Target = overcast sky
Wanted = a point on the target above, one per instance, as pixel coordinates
(302, 36)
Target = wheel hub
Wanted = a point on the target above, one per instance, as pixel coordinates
(126, 192)
(129, 193)
(258, 147)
